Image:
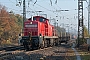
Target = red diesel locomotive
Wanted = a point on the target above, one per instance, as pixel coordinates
(39, 33)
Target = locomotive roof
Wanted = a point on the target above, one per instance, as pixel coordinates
(40, 17)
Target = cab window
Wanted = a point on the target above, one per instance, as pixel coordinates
(34, 18)
(41, 19)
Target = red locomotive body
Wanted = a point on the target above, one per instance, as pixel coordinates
(31, 27)
(34, 27)
(39, 25)
(48, 29)
(38, 33)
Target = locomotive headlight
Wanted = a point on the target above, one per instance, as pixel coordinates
(40, 36)
(30, 22)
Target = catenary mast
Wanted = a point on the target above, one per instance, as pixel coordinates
(24, 12)
(89, 17)
(80, 22)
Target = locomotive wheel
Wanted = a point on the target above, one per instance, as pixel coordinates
(45, 46)
(42, 46)
(51, 45)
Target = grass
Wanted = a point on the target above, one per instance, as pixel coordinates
(85, 57)
(84, 54)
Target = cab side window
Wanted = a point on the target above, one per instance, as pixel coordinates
(34, 18)
(42, 19)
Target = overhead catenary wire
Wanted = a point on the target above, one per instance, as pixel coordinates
(50, 10)
(45, 8)
(55, 13)
(41, 6)
(56, 2)
(51, 2)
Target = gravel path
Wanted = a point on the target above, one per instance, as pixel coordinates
(77, 54)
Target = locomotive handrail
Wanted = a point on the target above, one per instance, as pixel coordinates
(50, 36)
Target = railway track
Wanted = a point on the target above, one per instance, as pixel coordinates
(12, 48)
(7, 52)
(50, 53)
